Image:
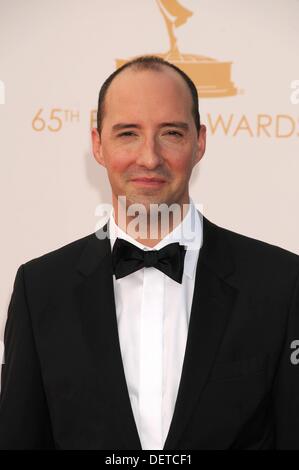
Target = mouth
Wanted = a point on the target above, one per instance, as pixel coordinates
(154, 182)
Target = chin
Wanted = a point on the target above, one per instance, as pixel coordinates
(145, 198)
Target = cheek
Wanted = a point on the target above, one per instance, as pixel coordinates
(180, 164)
(118, 161)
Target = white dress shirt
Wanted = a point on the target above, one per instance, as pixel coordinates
(153, 314)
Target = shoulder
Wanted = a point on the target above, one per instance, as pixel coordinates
(56, 267)
(247, 247)
(255, 257)
(66, 254)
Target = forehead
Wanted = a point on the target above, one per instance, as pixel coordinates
(148, 91)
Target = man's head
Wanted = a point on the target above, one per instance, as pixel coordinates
(149, 128)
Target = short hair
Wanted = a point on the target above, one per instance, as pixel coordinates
(147, 62)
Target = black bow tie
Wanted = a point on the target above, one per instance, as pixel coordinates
(128, 258)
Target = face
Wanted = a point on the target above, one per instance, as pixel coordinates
(149, 143)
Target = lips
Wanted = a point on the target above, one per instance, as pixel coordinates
(154, 182)
(149, 180)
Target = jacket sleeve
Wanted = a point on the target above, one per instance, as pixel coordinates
(286, 384)
(24, 416)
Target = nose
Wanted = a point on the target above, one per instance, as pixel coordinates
(149, 154)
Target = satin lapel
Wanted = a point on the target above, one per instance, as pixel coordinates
(99, 323)
(213, 301)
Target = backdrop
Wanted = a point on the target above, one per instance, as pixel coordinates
(54, 56)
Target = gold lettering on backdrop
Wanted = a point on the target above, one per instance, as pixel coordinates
(243, 125)
(219, 121)
(262, 125)
(279, 120)
(54, 120)
(212, 78)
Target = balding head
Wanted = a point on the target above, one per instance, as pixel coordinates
(148, 63)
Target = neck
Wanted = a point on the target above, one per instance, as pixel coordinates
(149, 225)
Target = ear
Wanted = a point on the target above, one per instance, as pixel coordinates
(201, 144)
(97, 146)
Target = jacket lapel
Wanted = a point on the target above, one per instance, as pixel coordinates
(99, 323)
(212, 304)
(213, 301)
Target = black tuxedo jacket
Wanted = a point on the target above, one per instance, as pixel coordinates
(63, 381)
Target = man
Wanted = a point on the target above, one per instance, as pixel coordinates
(124, 340)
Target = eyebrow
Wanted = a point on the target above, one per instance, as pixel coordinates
(123, 125)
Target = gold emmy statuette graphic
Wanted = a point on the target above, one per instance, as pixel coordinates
(211, 77)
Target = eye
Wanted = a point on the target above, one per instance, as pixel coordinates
(174, 133)
(126, 134)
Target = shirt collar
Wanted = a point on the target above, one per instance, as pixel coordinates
(188, 233)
